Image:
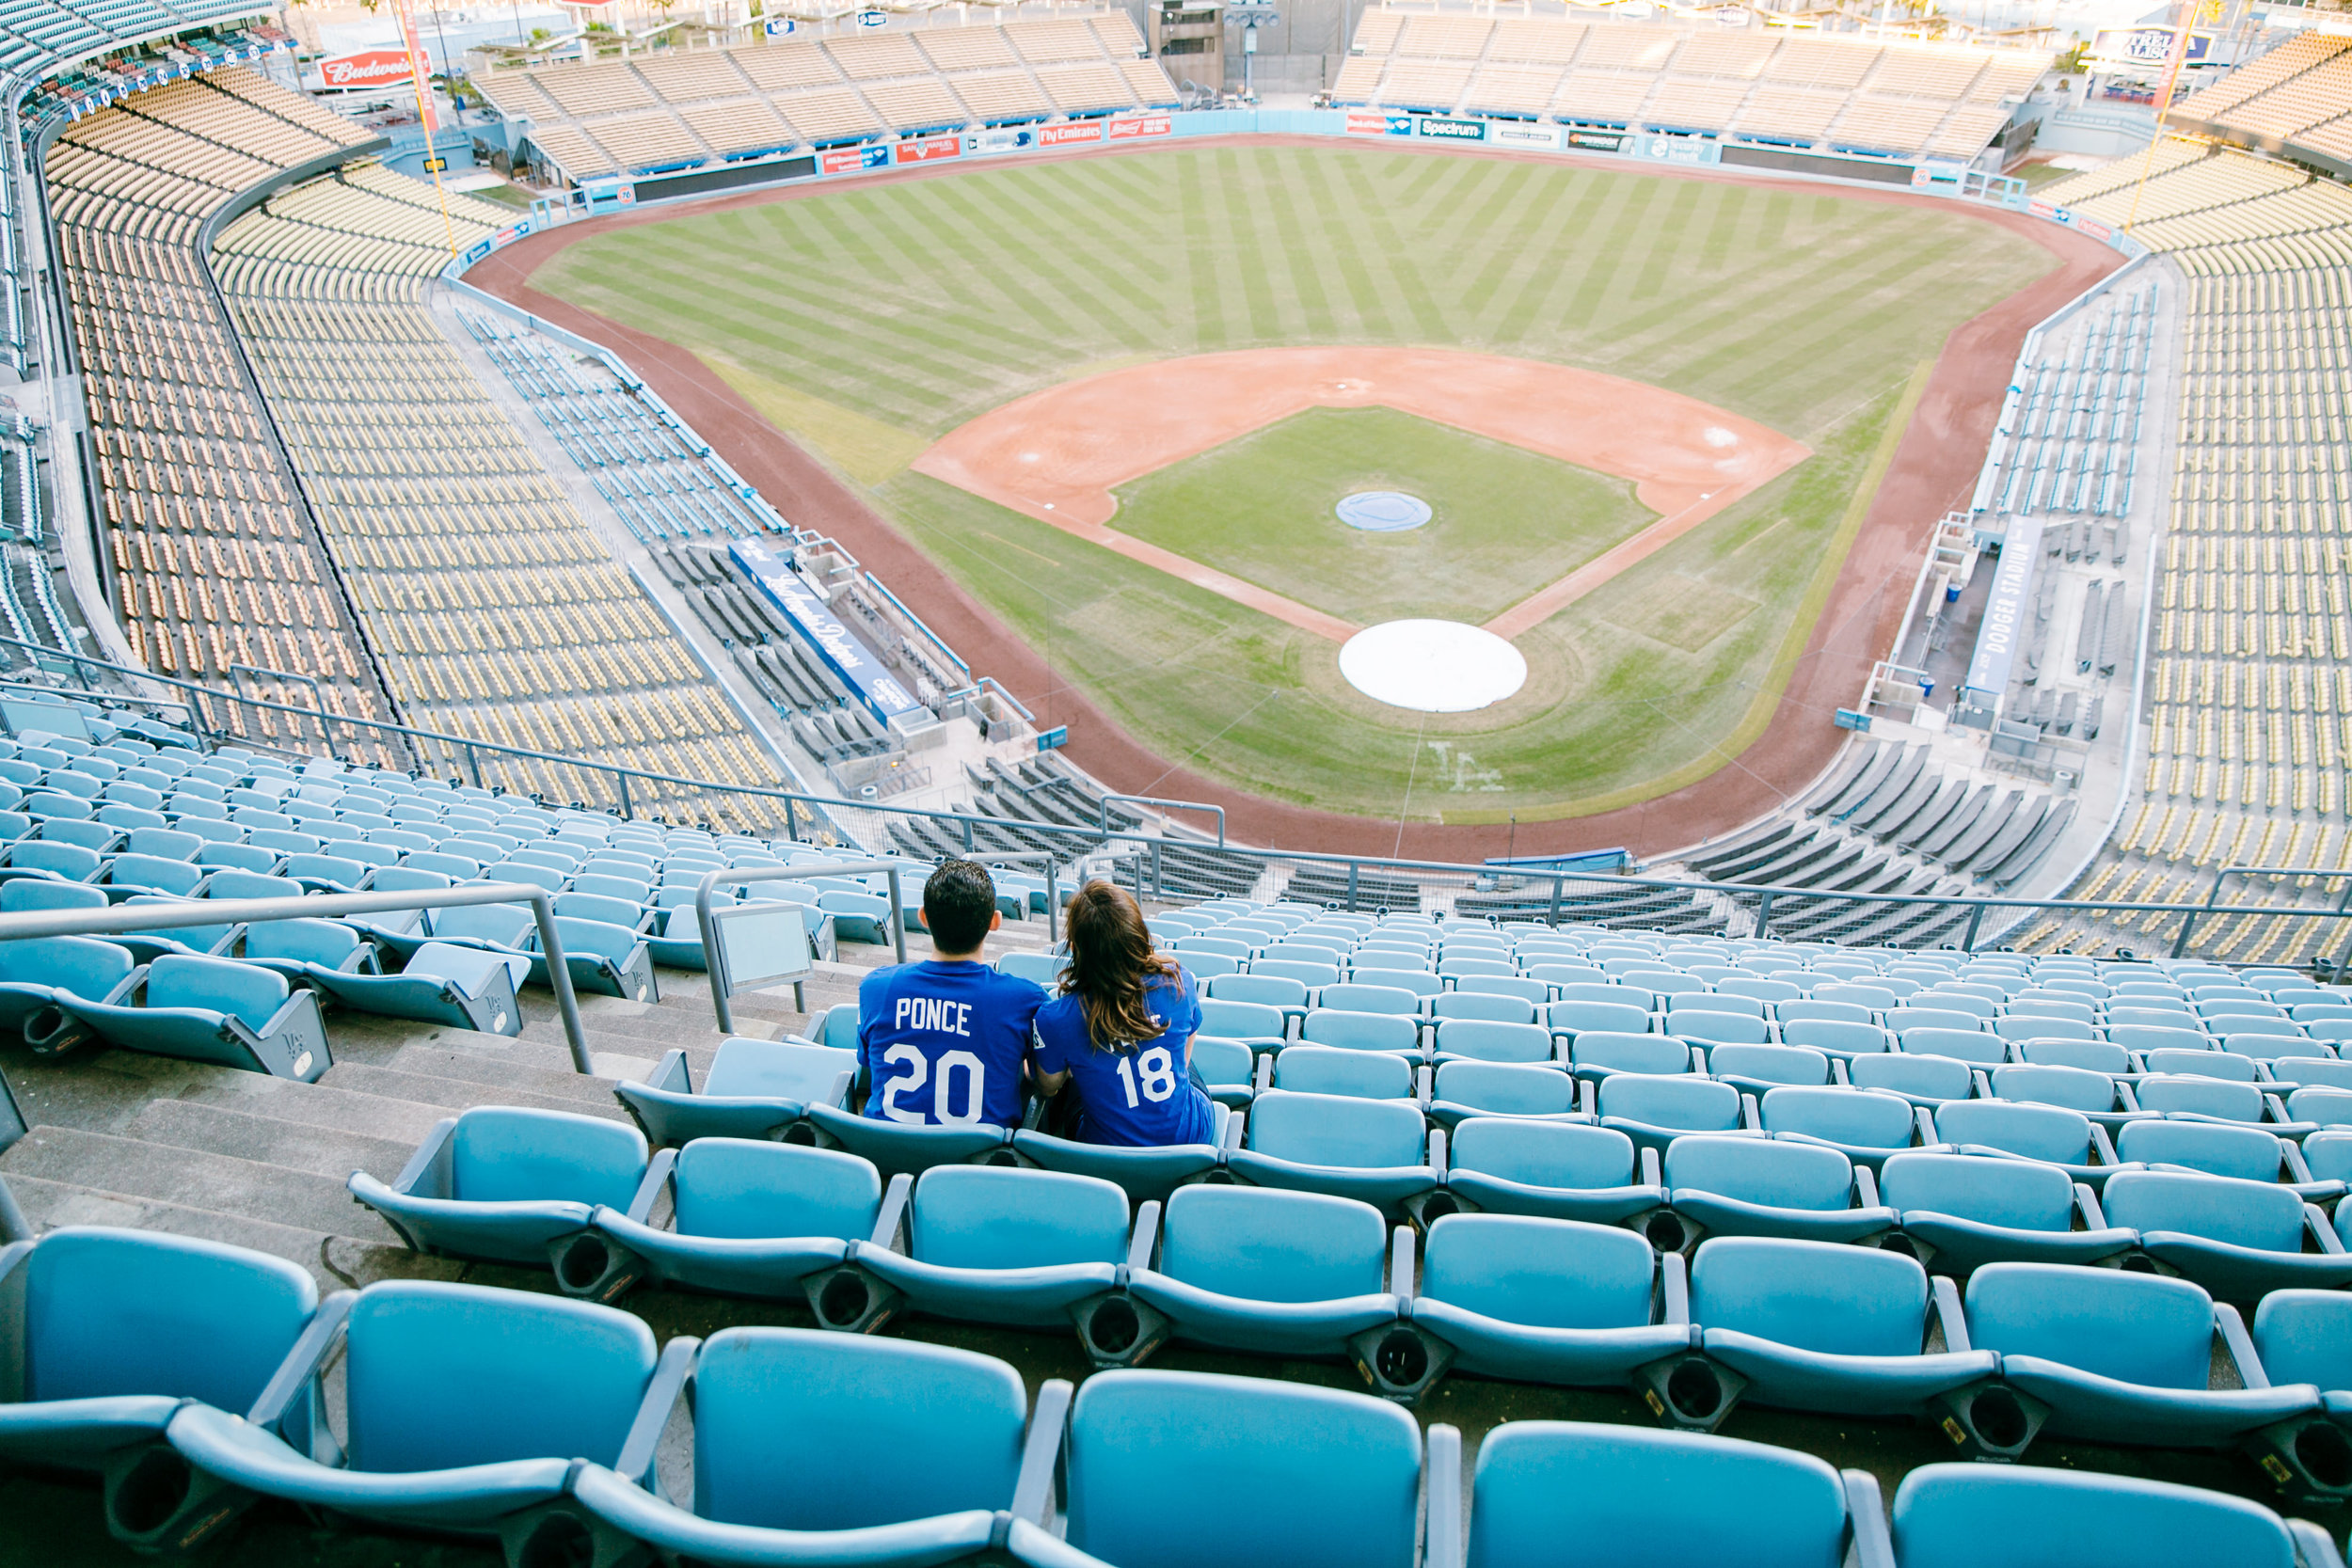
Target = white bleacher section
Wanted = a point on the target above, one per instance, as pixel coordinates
(677, 110)
(2067, 439)
(1826, 93)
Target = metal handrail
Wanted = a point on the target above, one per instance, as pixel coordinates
(715, 957)
(118, 918)
(1166, 805)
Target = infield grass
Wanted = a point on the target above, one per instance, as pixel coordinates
(1262, 509)
(893, 313)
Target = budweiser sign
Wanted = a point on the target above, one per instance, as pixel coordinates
(369, 68)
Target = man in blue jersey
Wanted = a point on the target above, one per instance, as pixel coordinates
(943, 1043)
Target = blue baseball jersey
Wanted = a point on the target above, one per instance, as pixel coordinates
(1141, 1095)
(943, 1043)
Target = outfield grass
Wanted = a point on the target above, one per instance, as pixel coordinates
(893, 313)
(1261, 508)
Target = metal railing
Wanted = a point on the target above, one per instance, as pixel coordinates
(119, 918)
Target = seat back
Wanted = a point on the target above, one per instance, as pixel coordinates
(1272, 990)
(1973, 1046)
(504, 925)
(745, 1188)
(996, 1217)
(2201, 1062)
(2048, 1132)
(1490, 1041)
(1337, 1131)
(1543, 1153)
(1314, 1478)
(1772, 1063)
(320, 942)
(2073, 1087)
(1625, 1496)
(1756, 1170)
(1929, 1077)
(1945, 1514)
(1361, 1031)
(800, 1430)
(1820, 1296)
(115, 1312)
(438, 1376)
(1687, 1104)
(1239, 1021)
(1862, 1118)
(1505, 1088)
(2172, 1093)
(1491, 1006)
(246, 991)
(514, 1154)
(2260, 1214)
(1834, 1034)
(2018, 1195)
(1326, 1069)
(2306, 1337)
(2248, 1153)
(2084, 1055)
(744, 1069)
(2139, 1328)
(1262, 1244)
(1630, 1053)
(1539, 1272)
(87, 968)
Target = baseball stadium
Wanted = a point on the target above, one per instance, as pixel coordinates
(1176, 784)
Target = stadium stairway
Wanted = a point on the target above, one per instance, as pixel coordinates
(121, 1138)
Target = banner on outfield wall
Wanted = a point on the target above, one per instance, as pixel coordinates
(1504, 134)
(844, 160)
(1450, 130)
(2006, 608)
(1076, 131)
(845, 653)
(927, 150)
(1140, 127)
(497, 241)
(1597, 141)
(1372, 123)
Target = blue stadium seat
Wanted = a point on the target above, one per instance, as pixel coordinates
(205, 1009)
(895, 1149)
(1362, 1075)
(1958, 1212)
(604, 958)
(1654, 1110)
(1864, 1125)
(811, 1448)
(755, 1088)
(35, 971)
(1973, 1046)
(1563, 1494)
(1257, 1025)
(1271, 1273)
(1815, 1325)
(1597, 1053)
(1363, 1031)
(293, 947)
(978, 1243)
(2094, 1094)
(2239, 1239)
(1492, 1040)
(1553, 1170)
(1550, 1301)
(2050, 1133)
(108, 1331)
(467, 988)
(1757, 1069)
(1758, 1187)
(1571, 1017)
(504, 1182)
(2120, 1357)
(1971, 1516)
(1380, 1152)
(465, 1410)
(1925, 1082)
(2217, 1148)
(1464, 1088)
(1334, 1479)
(1486, 1006)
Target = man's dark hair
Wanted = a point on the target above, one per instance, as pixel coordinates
(958, 901)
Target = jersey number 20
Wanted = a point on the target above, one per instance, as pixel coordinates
(943, 1097)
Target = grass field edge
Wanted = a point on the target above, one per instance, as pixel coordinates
(1759, 717)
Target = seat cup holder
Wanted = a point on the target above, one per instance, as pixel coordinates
(1991, 1420)
(801, 1134)
(1116, 1330)
(2310, 1458)
(590, 1266)
(560, 1537)
(1689, 1391)
(158, 1505)
(1669, 1231)
(849, 1300)
(1401, 1361)
(1427, 1209)
(50, 1030)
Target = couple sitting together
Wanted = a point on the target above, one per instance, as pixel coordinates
(953, 1042)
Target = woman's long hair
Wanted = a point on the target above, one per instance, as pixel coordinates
(1111, 963)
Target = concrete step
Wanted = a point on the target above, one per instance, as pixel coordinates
(194, 1178)
(401, 1121)
(448, 1095)
(50, 1204)
(246, 1135)
(101, 1090)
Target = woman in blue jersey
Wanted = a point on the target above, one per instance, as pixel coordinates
(1123, 1029)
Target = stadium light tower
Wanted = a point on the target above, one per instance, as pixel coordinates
(1250, 15)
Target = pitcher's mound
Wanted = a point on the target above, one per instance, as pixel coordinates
(1432, 666)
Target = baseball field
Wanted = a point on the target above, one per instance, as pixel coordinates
(905, 331)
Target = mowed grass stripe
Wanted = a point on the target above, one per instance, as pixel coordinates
(1237, 217)
(1406, 288)
(1208, 298)
(1089, 292)
(1286, 199)
(1344, 246)
(1528, 210)
(1574, 227)
(1102, 220)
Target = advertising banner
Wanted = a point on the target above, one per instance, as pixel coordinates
(369, 68)
(2005, 610)
(1078, 131)
(1504, 135)
(1367, 123)
(2093, 228)
(927, 149)
(1002, 139)
(1145, 126)
(844, 651)
(2042, 209)
(841, 160)
(1452, 129)
(2147, 48)
(1597, 141)
(777, 26)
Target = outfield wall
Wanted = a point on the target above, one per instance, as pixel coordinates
(597, 197)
